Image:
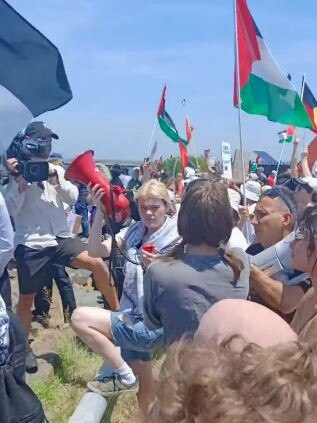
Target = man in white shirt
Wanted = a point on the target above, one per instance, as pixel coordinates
(42, 235)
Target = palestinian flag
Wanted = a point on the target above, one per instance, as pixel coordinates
(310, 104)
(32, 74)
(264, 89)
(287, 135)
(166, 123)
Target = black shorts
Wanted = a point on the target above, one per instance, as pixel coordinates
(35, 266)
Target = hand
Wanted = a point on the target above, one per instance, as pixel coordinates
(12, 165)
(305, 153)
(255, 272)
(147, 169)
(244, 214)
(148, 258)
(53, 175)
(96, 195)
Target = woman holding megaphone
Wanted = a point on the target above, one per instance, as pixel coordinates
(102, 330)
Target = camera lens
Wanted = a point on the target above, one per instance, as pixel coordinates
(34, 169)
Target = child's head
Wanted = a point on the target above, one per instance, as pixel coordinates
(219, 384)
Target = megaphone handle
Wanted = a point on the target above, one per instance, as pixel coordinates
(111, 194)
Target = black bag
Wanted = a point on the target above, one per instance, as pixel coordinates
(18, 403)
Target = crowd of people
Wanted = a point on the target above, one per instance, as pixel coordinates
(179, 275)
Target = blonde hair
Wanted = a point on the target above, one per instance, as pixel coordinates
(153, 188)
(56, 161)
(222, 385)
(102, 168)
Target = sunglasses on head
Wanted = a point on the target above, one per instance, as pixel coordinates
(306, 187)
(277, 193)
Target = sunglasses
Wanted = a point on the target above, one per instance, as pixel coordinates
(277, 193)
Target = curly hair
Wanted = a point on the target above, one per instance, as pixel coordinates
(219, 384)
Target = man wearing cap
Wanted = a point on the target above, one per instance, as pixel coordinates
(38, 129)
(42, 235)
(274, 219)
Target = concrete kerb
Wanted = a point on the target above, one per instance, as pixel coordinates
(92, 407)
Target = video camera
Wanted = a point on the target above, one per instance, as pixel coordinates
(24, 150)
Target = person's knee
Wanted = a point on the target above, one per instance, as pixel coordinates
(84, 261)
(79, 319)
(96, 265)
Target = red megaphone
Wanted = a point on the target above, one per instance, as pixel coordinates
(83, 169)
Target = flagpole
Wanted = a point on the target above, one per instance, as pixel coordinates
(239, 97)
(239, 110)
(302, 89)
(152, 135)
(174, 167)
(301, 97)
(279, 162)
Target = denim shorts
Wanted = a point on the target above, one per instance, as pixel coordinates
(136, 341)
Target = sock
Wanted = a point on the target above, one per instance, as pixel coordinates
(126, 374)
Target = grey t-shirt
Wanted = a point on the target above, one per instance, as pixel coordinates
(178, 293)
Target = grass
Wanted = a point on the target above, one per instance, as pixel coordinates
(76, 365)
(61, 393)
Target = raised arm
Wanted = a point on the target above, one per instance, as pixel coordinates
(96, 246)
(67, 191)
(294, 168)
(304, 162)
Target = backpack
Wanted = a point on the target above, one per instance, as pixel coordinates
(18, 403)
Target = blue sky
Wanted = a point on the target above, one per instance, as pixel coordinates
(119, 53)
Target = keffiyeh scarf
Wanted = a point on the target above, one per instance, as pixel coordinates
(164, 239)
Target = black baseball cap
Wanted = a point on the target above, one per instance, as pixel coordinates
(40, 130)
(116, 167)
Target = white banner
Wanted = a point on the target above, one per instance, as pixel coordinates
(226, 160)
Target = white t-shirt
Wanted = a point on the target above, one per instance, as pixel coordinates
(237, 240)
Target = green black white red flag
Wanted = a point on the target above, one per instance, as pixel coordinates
(287, 135)
(168, 127)
(166, 122)
(264, 88)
